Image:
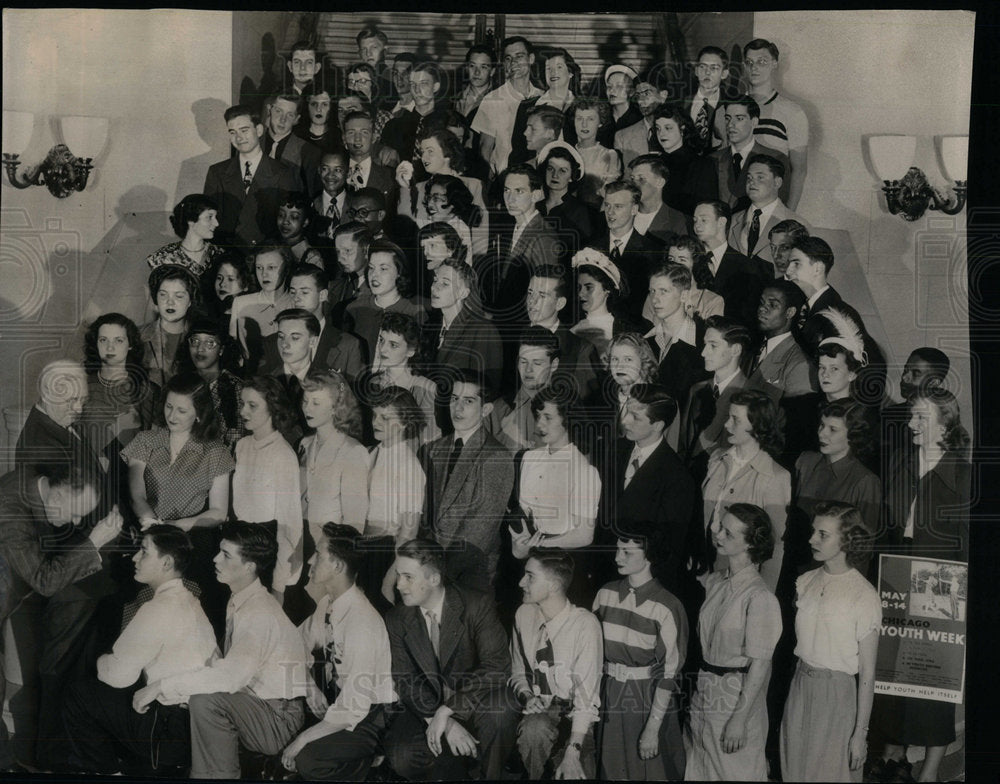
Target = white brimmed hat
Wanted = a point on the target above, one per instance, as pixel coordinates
(558, 145)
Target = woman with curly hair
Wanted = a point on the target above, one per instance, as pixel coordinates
(562, 168)
(437, 242)
(824, 729)
(693, 178)
(212, 354)
(194, 220)
(227, 278)
(745, 471)
(739, 625)
(390, 290)
(440, 152)
(586, 116)
(396, 483)
(395, 356)
(266, 479)
(121, 399)
(448, 200)
(927, 494)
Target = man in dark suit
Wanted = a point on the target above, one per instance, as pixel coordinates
(470, 476)
(402, 130)
(741, 116)
(350, 242)
(281, 144)
(450, 662)
(517, 247)
(748, 232)
(649, 173)
(650, 482)
(730, 274)
(331, 204)
(364, 172)
(712, 70)
(247, 187)
(634, 254)
(810, 260)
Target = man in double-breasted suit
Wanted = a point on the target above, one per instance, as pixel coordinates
(470, 476)
(765, 176)
(450, 663)
(247, 187)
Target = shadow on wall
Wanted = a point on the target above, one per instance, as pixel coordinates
(116, 267)
(210, 123)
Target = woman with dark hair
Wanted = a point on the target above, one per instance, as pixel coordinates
(194, 220)
(437, 242)
(562, 168)
(824, 729)
(319, 126)
(587, 115)
(390, 290)
(214, 355)
(179, 470)
(266, 478)
(739, 625)
(121, 400)
(396, 484)
(692, 253)
(175, 294)
(441, 152)
(928, 489)
(745, 471)
(559, 489)
(448, 200)
(226, 279)
(599, 285)
(394, 358)
(693, 179)
(645, 641)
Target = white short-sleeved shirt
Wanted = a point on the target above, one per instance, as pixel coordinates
(834, 613)
(496, 116)
(557, 485)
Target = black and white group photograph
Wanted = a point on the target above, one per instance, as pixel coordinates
(418, 395)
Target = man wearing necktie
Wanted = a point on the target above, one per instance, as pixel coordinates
(556, 656)
(451, 663)
(740, 117)
(712, 69)
(330, 204)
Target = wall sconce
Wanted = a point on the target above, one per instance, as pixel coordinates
(913, 195)
(62, 172)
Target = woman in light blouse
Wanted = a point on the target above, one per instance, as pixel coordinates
(266, 479)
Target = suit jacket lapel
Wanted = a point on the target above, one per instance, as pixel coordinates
(469, 456)
(231, 178)
(452, 622)
(419, 642)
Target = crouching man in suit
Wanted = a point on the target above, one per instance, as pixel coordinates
(451, 663)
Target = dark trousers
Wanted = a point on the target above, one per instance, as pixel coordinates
(103, 729)
(345, 755)
(493, 724)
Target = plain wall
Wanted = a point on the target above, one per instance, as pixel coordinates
(163, 78)
(862, 73)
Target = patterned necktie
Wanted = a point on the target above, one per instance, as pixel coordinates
(754, 233)
(759, 358)
(544, 661)
(329, 654)
(616, 251)
(357, 178)
(701, 121)
(737, 165)
(715, 391)
(332, 212)
(247, 177)
(633, 466)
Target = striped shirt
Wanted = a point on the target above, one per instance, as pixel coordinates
(643, 627)
(783, 125)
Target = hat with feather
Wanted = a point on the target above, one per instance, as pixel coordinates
(849, 335)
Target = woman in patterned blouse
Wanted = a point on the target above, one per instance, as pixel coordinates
(194, 220)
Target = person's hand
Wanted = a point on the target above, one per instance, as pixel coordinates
(436, 729)
(146, 522)
(404, 174)
(107, 530)
(734, 736)
(291, 752)
(142, 699)
(570, 767)
(460, 740)
(857, 749)
(535, 704)
(649, 742)
(316, 701)
(387, 156)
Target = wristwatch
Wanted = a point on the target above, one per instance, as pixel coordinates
(576, 745)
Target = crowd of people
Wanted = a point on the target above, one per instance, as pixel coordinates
(486, 427)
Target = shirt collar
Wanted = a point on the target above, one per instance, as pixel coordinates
(816, 296)
(623, 240)
(266, 441)
(338, 608)
(170, 586)
(773, 343)
(644, 452)
(713, 100)
(727, 381)
(254, 160)
(745, 575)
(642, 593)
(553, 626)
(744, 150)
(466, 435)
(437, 608)
(765, 212)
(526, 219)
(240, 598)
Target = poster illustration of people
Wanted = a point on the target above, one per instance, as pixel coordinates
(923, 642)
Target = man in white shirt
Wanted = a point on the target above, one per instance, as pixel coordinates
(780, 368)
(252, 694)
(749, 230)
(169, 635)
(494, 121)
(783, 125)
(356, 658)
(330, 204)
(556, 658)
